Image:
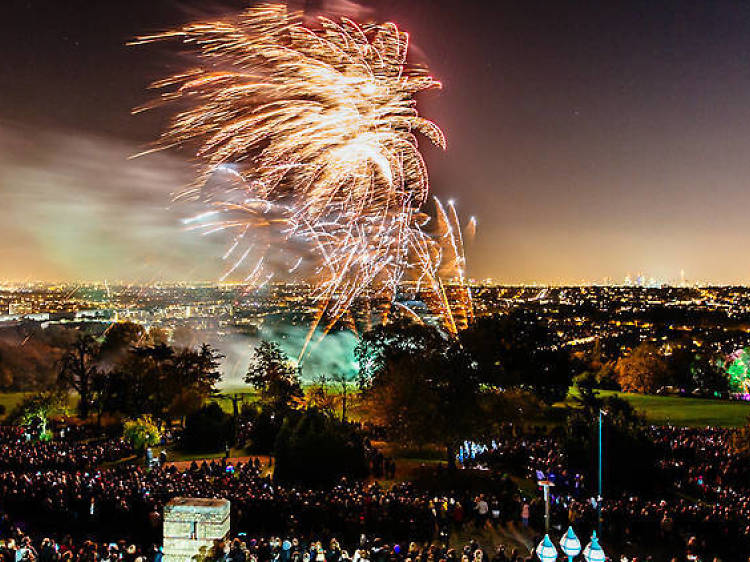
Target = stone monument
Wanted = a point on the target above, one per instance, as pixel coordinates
(191, 525)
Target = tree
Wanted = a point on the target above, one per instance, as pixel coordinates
(518, 350)
(691, 369)
(185, 372)
(678, 365)
(603, 378)
(423, 388)
(707, 374)
(158, 336)
(118, 339)
(643, 370)
(103, 392)
(35, 411)
(159, 381)
(630, 457)
(272, 373)
(402, 337)
(78, 369)
(344, 383)
(318, 395)
(199, 369)
(184, 403)
(142, 432)
(207, 430)
(737, 368)
(317, 449)
(183, 377)
(132, 388)
(263, 426)
(30, 356)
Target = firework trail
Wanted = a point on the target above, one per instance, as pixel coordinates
(309, 134)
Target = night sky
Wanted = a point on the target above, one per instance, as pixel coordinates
(590, 139)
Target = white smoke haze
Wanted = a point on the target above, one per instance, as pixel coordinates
(334, 355)
(77, 207)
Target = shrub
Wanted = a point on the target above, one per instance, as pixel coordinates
(318, 450)
(587, 379)
(264, 427)
(604, 378)
(207, 430)
(34, 413)
(142, 432)
(630, 457)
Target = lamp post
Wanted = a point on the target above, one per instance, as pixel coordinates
(546, 551)
(602, 413)
(545, 484)
(593, 551)
(570, 545)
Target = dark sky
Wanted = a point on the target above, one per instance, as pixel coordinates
(590, 139)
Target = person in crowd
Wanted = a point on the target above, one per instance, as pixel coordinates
(62, 485)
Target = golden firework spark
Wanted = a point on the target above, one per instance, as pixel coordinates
(315, 130)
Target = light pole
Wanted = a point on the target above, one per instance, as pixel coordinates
(545, 484)
(602, 413)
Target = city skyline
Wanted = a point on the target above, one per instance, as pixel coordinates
(588, 144)
(636, 281)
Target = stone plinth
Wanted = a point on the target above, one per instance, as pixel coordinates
(191, 525)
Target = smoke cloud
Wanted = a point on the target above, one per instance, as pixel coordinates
(334, 355)
(77, 207)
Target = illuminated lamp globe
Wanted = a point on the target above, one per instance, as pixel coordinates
(593, 551)
(546, 551)
(570, 544)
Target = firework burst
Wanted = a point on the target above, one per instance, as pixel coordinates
(313, 131)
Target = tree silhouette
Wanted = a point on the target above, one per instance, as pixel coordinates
(518, 350)
(643, 370)
(423, 388)
(344, 381)
(272, 373)
(78, 370)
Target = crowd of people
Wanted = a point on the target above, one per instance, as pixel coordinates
(19, 547)
(69, 450)
(708, 463)
(62, 487)
(707, 508)
(130, 496)
(533, 453)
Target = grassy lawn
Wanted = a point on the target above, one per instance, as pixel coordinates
(689, 412)
(10, 400)
(246, 396)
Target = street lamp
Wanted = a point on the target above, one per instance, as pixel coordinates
(593, 551)
(570, 545)
(546, 551)
(545, 484)
(602, 413)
